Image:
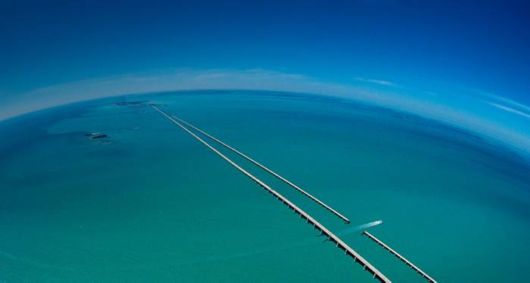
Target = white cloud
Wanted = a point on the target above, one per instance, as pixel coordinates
(374, 81)
(510, 109)
(502, 101)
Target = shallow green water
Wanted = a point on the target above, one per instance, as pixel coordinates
(152, 204)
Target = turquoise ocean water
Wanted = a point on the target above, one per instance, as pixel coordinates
(151, 204)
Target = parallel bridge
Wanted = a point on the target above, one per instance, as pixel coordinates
(317, 225)
(268, 170)
(400, 257)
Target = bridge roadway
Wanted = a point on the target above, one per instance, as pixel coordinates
(291, 184)
(402, 258)
(332, 237)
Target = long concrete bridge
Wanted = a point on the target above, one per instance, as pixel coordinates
(317, 225)
(268, 170)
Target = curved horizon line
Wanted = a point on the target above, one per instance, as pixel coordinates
(507, 126)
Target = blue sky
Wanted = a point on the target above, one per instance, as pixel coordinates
(480, 44)
(437, 52)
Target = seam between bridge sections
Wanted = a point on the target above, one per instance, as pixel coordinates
(332, 237)
(270, 171)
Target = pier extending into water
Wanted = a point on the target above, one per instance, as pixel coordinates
(317, 225)
(291, 184)
(402, 258)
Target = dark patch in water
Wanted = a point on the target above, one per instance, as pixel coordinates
(96, 136)
(23, 131)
